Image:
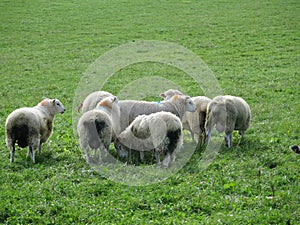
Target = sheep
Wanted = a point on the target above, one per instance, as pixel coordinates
(193, 121)
(91, 101)
(31, 126)
(228, 113)
(161, 131)
(95, 128)
(177, 105)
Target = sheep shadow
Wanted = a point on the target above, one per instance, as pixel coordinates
(248, 147)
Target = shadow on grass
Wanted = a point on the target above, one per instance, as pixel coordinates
(249, 147)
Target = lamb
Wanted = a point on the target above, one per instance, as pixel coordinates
(31, 126)
(91, 101)
(193, 121)
(177, 105)
(228, 113)
(95, 128)
(161, 131)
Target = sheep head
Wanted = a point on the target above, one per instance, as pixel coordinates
(108, 102)
(170, 93)
(53, 105)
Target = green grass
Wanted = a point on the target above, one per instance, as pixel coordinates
(252, 47)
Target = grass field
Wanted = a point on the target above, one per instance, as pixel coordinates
(252, 47)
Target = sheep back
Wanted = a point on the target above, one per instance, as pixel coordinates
(94, 128)
(91, 101)
(130, 109)
(26, 124)
(228, 113)
(147, 132)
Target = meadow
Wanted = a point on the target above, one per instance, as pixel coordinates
(252, 48)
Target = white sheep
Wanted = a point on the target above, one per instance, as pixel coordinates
(31, 126)
(228, 113)
(91, 101)
(193, 121)
(95, 128)
(161, 131)
(177, 104)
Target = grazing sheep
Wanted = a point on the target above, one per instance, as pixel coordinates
(228, 113)
(91, 101)
(31, 126)
(161, 131)
(177, 105)
(95, 128)
(193, 121)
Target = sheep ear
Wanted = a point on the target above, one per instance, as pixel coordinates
(162, 95)
(53, 101)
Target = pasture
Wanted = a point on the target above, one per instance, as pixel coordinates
(252, 48)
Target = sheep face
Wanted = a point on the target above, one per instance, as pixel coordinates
(122, 150)
(108, 102)
(59, 107)
(190, 105)
(54, 105)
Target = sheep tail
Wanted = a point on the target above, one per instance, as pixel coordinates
(79, 107)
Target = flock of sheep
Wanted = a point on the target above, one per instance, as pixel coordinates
(132, 125)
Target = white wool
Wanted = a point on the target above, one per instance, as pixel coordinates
(154, 131)
(31, 126)
(91, 101)
(192, 121)
(177, 105)
(95, 128)
(227, 113)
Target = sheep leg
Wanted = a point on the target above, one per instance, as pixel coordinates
(157, 156)
(142, 156)
(193, 135)
(40, 148)
(201, 139)
(167, 160)
(103, 152)
(33, 155)
(208, 135)
(88, 154)
(100, 155)
(12, 153)
(242, 136)
(228, 140)
(31, 152)
(130, 156)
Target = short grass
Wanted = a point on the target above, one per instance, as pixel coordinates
(252, 47)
